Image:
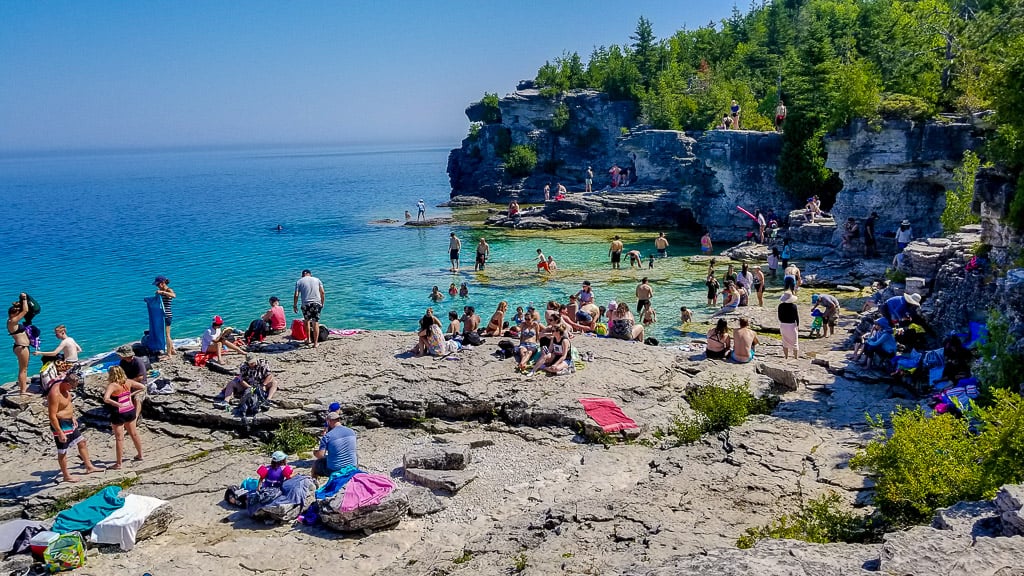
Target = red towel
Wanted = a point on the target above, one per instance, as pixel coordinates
(607, 414)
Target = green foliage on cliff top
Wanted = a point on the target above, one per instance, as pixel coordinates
(831, 61)
(492, 114)
(819, 520)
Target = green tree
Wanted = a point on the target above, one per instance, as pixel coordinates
(959, 199)
(492, 114)
(646, 53)
(520, 161)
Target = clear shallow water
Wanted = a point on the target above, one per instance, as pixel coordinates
(86, 234)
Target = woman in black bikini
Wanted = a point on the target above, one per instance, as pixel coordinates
(15, 313)
(719, 340)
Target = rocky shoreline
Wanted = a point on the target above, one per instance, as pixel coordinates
(544, 487)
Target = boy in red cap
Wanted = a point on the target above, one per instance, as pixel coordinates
(215, 337)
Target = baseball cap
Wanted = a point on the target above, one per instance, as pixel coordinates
(160, 280)
(334, 415)
(334, 407)
(218, 321)
(586, 282)
(278, 456)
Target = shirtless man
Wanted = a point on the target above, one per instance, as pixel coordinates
(470, 320)
(68, 347)
(483, 252)
(644, 292)
(454, 246)
(589, 180)
(615, 251)
(66, 432)
(547, 192)
(661, 244)
(561, 191)
(635, 258)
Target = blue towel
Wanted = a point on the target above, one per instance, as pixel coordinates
(337, 482)
(89, 512)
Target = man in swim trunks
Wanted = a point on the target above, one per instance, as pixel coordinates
(635, 258)
(421, 211)
(589, 180)
(66, 431)
(615, 251)
(454, 246)
(311, 290)
(644, 293)
(483, 252)
(661, 244)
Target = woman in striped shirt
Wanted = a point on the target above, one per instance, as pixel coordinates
(166, 294)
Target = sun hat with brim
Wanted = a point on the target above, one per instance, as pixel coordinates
(905, 223)
(278, 456)
(125, 350)
(912, 299)
(335, 415)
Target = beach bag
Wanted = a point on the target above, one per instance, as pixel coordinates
(236, 496)
(506, 349)
(299, 330)
(473, 339)
(67, 552)
(324, 333)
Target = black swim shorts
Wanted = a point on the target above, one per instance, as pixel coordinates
(616, 257)
(311, 311)
(453, 254)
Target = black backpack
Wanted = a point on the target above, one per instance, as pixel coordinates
(324, 333)
(506, 349)
(253, 402)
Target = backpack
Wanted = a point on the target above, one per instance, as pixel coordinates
(253, 401)
(506, 349)
(473, 339)
(299, 330)
(257, 331)
(324, 333)
(236, 496)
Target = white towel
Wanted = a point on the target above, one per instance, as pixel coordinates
(123, 524)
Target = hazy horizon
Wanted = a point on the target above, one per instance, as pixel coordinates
(164, 75)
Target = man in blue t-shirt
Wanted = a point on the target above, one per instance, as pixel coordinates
(337, 448)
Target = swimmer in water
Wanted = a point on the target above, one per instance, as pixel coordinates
(279, 228)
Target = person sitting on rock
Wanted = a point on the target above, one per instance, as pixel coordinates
(215, 339)
(882, 344)
(744, 341)
(902, 309)
(497, 322)
(730, 299)
(253, 372)
(274, 475)
(337, 448)
(719, 341)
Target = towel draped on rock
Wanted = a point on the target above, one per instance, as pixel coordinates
(365, 490)
(123, 524)
(607, 414)
(89, 512)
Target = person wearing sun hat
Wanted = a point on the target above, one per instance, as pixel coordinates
(274, 475)
(254, 371)
(899, 309)
(904, 234)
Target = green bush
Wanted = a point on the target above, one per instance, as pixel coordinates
(520, 161)
(291, 438)
(931, 462)
(926, 463)
(819, 520)
(957, 212)
(904, 107)
(474, 131)
(717, 408)
(894, 275)
(492, 114)
(998, 369)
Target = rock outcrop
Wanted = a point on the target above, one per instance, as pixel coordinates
(901, 170)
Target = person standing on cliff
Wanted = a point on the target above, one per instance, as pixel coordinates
(904, 234)
(870, 243)
(66, 431)
(780, 115)
(454, 246)
(615, 251)
(589, 179)
(734, 112)
(547, 192)
(705, 242)
(311, 291)
(167, 295)
(421, 211)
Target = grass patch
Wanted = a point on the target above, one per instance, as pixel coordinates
(519, 562)
(291, 437)
(716, 408)
(820, 520)
(466, 557)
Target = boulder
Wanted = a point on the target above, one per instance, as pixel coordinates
(156, 523)
(384, 515)
(422, 501)
(782, 375)
(1009, 503)
(450, 481)
(443, 457)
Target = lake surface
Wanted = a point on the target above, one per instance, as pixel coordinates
(85, 234)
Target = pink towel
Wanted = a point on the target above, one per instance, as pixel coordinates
(345, 331)
(365, 490)
(607, 414)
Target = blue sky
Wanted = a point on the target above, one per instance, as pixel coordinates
(100, 74)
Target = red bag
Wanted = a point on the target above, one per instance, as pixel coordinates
(299, 330)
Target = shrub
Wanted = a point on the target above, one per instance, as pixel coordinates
(957, 212)
(904, 107)
(894, 275)
(491, 114)
(717, 408)
(520, 161)
(998, 369)
(474, 131)
(819, 520)
(926, 463)
(291, 438)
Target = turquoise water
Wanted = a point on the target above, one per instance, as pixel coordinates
(86, 234)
